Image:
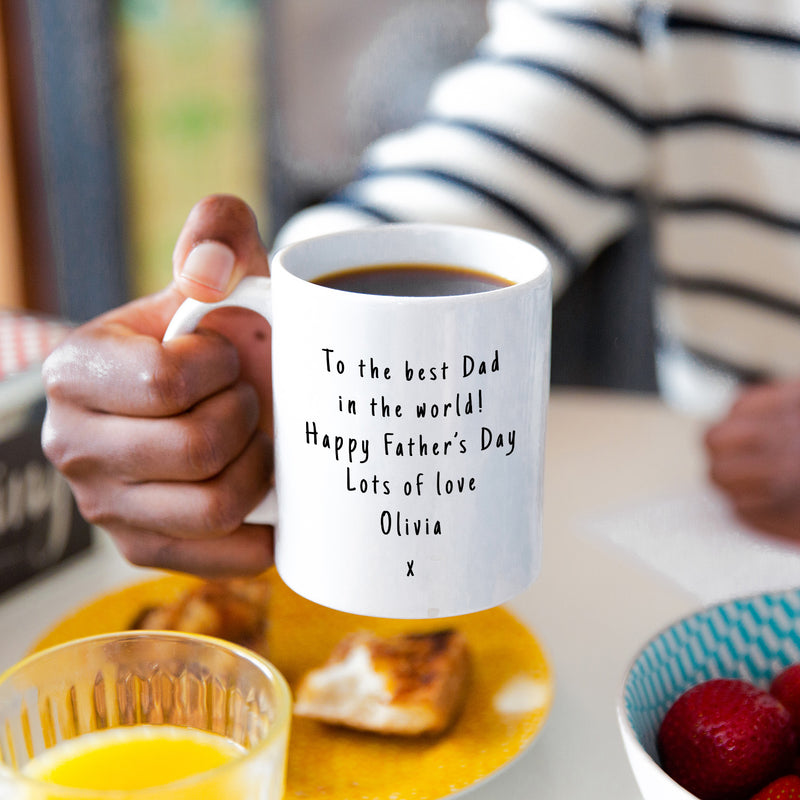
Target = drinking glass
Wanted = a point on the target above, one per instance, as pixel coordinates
(123, 680)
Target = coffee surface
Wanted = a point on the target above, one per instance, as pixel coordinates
(412, 280)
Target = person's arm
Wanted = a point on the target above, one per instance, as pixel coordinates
(539, 135)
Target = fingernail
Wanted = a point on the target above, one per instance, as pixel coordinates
(209, 264)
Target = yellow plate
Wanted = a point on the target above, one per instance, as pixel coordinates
(510, 695)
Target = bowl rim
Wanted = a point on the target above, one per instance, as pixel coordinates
(629, 735)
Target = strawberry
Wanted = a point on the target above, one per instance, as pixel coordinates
(725, 739)
(785, 788)
(786, 687)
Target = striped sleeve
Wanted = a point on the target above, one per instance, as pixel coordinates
(726, 144)
(540, 134)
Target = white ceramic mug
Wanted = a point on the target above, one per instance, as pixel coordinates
(409, 431)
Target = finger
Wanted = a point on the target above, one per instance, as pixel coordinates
(770, 435)
(219, 243)
(735, 435)
(109, 369)
(768, 398)
(148, 315)
(763, 480)
(246, 551)
(193, 446)
(784, 523)
(756, 499)
(199, 510)
(740, 473)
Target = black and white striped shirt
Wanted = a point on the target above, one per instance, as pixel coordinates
(570, 112)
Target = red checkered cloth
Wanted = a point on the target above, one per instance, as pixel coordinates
(26, 340)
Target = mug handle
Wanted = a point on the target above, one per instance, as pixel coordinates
(255, 294)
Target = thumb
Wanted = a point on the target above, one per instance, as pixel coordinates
(217, 246)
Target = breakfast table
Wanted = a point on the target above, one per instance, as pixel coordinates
(609, 458)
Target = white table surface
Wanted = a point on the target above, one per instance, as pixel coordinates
(591, 608)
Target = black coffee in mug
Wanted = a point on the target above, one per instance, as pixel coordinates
(412, 280)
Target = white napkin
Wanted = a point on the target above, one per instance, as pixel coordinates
(693, 539)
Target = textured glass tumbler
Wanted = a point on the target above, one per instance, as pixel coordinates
(147, 678)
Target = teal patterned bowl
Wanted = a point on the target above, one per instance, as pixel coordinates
(751, 638)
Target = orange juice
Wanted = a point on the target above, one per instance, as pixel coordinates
(130, 759)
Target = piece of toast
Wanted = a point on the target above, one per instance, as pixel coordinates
(232, 609)
(408, 684)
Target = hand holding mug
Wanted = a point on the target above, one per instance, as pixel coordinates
(409, 415)
(134, 424)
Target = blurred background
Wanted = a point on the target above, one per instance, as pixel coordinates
(120, 114)
(116, 116)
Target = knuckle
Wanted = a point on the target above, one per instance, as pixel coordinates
(136, 552)
(165, 383)
(718, 476)
(221, 510)
(55, 444)
(711, 439)
(57, 372)
(205, 450)
(63, 450)
(68, 365)
(94, 509)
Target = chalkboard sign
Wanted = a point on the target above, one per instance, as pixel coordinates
(39, 522)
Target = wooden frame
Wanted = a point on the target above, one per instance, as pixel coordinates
(67, 181)
(12, 293)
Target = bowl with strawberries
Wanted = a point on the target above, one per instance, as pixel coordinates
(710, 706)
